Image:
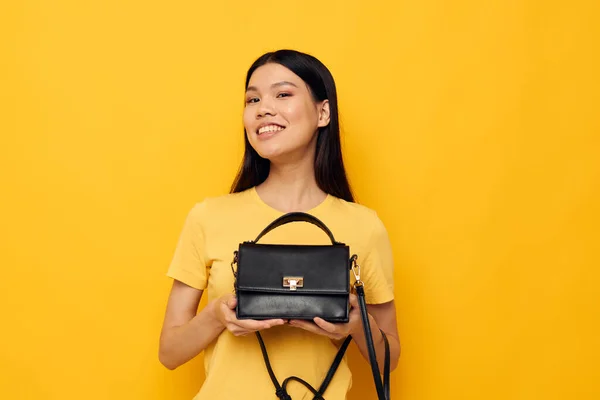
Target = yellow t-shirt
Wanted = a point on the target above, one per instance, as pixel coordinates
(234, 365)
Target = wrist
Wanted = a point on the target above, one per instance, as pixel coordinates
(212, 309)
(358, 328)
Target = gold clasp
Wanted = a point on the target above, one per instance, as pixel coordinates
(293, 282)
(356, 271)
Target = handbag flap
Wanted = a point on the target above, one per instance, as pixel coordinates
(315, 269)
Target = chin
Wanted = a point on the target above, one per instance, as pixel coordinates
(270, 152)
(271, 155)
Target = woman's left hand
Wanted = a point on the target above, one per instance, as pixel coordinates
(335, 331)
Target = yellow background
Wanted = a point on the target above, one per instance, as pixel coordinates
(472, 127)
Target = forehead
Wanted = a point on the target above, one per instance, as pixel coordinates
(269, 74)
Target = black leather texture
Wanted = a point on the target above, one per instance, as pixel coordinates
(324, 270)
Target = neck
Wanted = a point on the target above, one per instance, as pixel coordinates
(292, 186)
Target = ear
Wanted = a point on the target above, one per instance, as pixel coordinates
(324, 114)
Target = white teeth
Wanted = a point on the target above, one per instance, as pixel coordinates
(270, 128)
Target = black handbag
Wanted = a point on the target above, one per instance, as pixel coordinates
(302, 282)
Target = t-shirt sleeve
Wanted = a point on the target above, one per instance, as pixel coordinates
(189, 262)
(377, 267)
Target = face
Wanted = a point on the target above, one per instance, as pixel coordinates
(281, 118)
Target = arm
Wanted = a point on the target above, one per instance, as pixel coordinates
(185, 334)
(381, 316)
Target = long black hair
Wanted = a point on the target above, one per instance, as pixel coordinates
(330, 173)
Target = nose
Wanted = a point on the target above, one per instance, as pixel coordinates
(265, 108)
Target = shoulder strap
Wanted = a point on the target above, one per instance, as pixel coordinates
(281, 390)
(383, 388)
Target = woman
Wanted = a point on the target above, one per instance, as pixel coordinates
(292, 162)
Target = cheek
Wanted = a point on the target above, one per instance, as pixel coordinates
(290, 111)
(299, 113)
(247, 119)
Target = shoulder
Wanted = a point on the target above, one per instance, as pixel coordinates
(215, 206)
(361, 217)
(355, 209)
(224, 202)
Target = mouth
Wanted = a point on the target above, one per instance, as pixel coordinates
(269, 129)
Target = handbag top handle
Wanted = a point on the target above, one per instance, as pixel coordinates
(297, 217)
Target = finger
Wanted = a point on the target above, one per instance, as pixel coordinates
(239, 328)
(307, 325)
(247, 324)
(274, 322)
(353, 301)
(326, 326)
(235, 330)
(231, 302)
(254, 325)
(311, 327)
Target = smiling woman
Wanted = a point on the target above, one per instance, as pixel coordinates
(301, 92)
(292, 162)
(276, 102)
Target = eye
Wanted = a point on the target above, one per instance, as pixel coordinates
(251, 100)
(284, 94)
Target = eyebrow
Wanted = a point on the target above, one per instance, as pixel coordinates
(276, 84)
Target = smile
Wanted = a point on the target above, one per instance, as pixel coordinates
(269, 129)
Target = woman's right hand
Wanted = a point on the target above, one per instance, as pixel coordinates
(224, 312)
